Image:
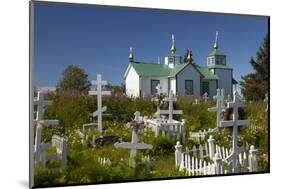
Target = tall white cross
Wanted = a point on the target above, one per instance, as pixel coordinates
(219, 106)
(205, 97)
(171, 110)
(39, 121)
(99, 92)
(135, 125)
(235, 123)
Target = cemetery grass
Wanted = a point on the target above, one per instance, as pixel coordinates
(83, 165)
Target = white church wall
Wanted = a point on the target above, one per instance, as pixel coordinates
(145, 84)
(132, 83)
(225, 80)
(188, 73)
(173, 85)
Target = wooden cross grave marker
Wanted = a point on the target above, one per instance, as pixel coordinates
(171, 110)
(39, 147)
(219, 106)
(99, 92)
(135, 125)
(235, 123)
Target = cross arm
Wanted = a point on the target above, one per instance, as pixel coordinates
(95, 82)
(96, 92)
(230, 123)
(47, 122)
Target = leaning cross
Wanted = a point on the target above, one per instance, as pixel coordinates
(171, 111)
(219, 107)
(99, 92)
(135, 125)
(235, 123)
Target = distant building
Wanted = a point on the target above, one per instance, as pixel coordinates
(179, 74)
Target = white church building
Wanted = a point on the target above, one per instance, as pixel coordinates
(179, 74)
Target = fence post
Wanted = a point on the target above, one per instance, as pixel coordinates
(178, 154)
(252, 159)
(218, 164)
(211, 142)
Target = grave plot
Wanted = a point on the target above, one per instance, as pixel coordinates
(40, 148)
(163, 126)
(134, 145)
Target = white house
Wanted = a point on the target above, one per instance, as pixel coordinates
(179, 74)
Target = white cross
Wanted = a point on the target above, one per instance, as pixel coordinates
(205, 97)
(41, 104)
(266, 101)
(99, 92)
(171, 111)
(219, 106)
(235, 123)
(134, 145)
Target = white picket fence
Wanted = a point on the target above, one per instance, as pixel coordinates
(197, 160)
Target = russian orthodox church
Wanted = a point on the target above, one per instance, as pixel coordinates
(180, 74)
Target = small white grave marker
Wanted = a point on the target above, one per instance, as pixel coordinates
(235, 123)
(205, 97)
(135, 125)
(99, 92)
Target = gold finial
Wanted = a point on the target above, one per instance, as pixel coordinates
(216, 46)
(173, 48)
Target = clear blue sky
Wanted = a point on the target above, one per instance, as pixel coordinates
(98, 38)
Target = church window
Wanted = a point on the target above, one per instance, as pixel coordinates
(189, 87)
(205, 87)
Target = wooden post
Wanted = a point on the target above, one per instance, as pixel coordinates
(211, 142)
(178, 154)
(253, 159)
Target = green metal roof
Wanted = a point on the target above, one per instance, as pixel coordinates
(162, 70)
(177, 69)
(216, 52)
(207, 74)
(151, 69)
(219, 66)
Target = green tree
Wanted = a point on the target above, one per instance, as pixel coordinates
(255, 85)
(74, 79)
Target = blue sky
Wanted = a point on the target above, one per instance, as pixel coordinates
(98, 38)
